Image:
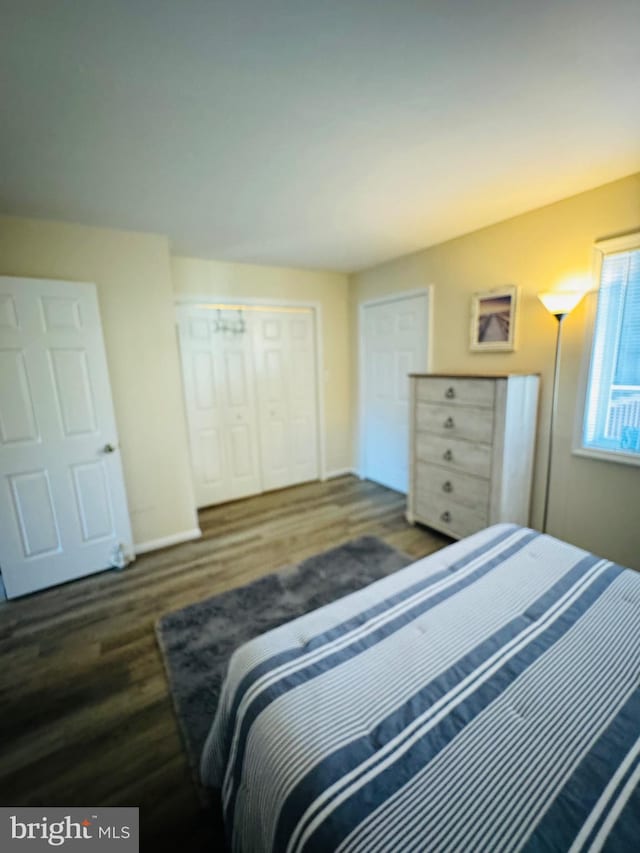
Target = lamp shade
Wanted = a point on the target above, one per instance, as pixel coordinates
(560, 302)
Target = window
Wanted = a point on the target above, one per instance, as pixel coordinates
(611, 423)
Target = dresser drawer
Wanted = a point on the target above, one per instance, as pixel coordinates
(437, 482)
(472, 424)
(454, 453)
(449, 516)
(456, 392)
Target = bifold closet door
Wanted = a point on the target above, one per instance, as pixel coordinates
(219, 395)
(286, 382)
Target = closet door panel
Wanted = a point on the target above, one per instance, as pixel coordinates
(284, 356)
(240, 417)
(217, 373)
(204, 406)
(241, 455)
(303, 409)
(269, 350)
(211, 456)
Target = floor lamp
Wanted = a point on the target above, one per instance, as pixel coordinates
(559, 303)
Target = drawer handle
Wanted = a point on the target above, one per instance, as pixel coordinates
(450, 393)
(447, 487)
(446, 517)
(449, 424)
(448, 455)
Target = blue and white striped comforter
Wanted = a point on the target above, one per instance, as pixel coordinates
(484, 698)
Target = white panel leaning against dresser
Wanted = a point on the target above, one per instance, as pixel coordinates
(471, 450)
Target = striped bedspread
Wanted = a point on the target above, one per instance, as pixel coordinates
(484, 698)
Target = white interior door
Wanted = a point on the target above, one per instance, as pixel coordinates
(394, 344)
(286, 383)
(218, 385)
(63, 507)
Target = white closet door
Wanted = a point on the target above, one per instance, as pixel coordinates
(240, 417)
(302, 398)
(63, 507)
(395, 344)
(286, 382)
(217, 372)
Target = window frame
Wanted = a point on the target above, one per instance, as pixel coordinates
(602, 248)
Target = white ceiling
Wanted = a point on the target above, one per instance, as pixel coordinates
(316, 133)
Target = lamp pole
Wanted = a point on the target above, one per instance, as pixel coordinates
(559, 317)
(559, 303)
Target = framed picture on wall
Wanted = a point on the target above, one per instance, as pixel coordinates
(493, 320)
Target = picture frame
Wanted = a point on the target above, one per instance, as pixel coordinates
(493, 320)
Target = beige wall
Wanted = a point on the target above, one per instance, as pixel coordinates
(133, 279)
(593, 503)
(195, 277)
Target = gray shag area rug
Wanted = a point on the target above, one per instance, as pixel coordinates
(197, 642)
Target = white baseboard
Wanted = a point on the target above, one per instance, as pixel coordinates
(166, 541)
(338, 472)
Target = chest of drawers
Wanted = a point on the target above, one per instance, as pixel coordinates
(471, 450)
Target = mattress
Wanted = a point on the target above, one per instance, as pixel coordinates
(486, 697)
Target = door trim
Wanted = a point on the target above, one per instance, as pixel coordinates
(427, 292)
(316, 307)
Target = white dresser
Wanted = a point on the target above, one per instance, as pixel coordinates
(471, 450)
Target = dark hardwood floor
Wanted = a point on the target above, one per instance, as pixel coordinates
(85, 709)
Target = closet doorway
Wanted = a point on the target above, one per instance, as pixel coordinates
(394, 342)
(250, 377)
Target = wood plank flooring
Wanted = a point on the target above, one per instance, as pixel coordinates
(85, 711)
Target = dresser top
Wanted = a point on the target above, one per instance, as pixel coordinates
(469, 375)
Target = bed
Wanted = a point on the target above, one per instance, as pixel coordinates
(486, 697)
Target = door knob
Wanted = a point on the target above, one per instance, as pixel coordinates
(108, 448)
